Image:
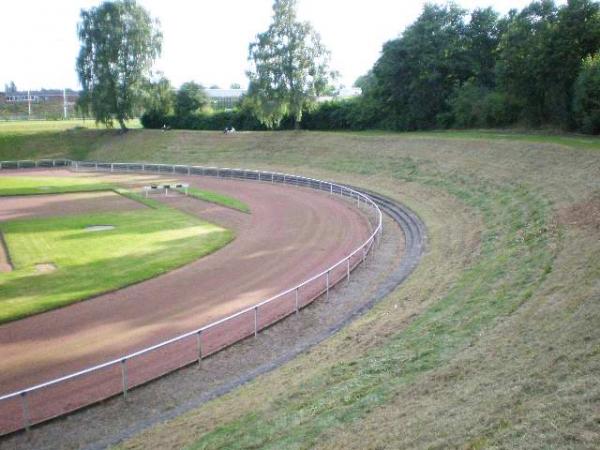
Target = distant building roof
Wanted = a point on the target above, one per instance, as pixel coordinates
(221, 93)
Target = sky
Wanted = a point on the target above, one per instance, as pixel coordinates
(203, 40)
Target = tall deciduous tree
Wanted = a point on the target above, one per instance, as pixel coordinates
(160, 98)
(119, 43)
(290, 67)
(417, 72)
(540, 53)
(190, 99)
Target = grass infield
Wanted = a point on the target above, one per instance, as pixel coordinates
(143, 244)
(219, 199)
(57, 262)
(14, 185)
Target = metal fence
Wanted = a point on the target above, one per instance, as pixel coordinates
(59, 396)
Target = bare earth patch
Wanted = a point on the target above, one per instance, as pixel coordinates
(93, 228)
(45, 267)
(584, 214)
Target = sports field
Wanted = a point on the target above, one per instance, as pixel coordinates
(492, 342)
(58, 257)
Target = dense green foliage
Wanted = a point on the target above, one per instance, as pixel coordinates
(289, 67)
(446, 70)
(190, 99)
(449, 69)
(119, 43)
(586, 103)
(160, 98)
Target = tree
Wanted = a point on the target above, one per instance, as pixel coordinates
(190, 99)
(290, 67)
(483, 35)
(119, 43)
(540, 53)
(235, 86)
(417, 72)
(160, 99)
(586, 101)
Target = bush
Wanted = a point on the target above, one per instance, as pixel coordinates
(239, 119)
(586, 100)
(473, 106)
(153, 119)
(352, 114)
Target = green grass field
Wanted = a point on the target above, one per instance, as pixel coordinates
(493, 342)
(219, 199)
(143, 244)
(16, 185)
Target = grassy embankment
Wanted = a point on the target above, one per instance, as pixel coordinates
(492, 342)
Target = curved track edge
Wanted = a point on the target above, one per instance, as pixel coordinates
(415, 234)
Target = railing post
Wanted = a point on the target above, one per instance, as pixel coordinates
(297, 304)
(96, 167)
(255, 321)
(189, 170)
(112, 167)
(331, 188)
(327, 284)
(124, 376)
(272, 178)
(199, 343)
(348, 270)
(25, 407)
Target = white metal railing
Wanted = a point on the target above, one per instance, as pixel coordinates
(329, 277)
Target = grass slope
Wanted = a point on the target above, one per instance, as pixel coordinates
(492, 342)
(143, 244)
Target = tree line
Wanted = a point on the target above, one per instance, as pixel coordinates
(450, 68)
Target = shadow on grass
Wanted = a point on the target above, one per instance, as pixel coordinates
(70, 284)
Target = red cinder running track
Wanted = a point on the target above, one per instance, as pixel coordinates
(291, 234)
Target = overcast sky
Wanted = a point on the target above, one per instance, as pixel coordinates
(204, 40)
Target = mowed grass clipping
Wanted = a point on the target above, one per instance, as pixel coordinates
(10, 185)
(143, 244)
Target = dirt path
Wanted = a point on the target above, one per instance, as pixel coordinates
(292, 233)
